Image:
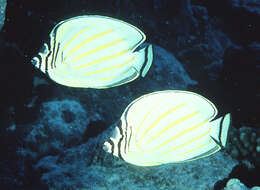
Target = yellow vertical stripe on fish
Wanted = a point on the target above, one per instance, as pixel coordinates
(196, 148)
(138, 154)
(178, 135)
(109, 78)
(114, 76)
(65, 65)
(75, 36)
(142, 122)
(140, 148)
(102, 59)
(187, 142)
(95, 50)
(171, 125)
(59, 68)
(109, 68)
(87, 41)
(146, 116)
(158, 119)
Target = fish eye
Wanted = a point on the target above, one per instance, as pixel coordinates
(44, 49)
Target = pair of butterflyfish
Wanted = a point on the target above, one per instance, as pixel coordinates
(94, 52)
(158, 128)
(168, 127)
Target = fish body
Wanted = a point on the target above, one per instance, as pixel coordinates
(169, 126)
(94, 51)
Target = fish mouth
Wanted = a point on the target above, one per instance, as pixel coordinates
(35, 61)
(107, 147)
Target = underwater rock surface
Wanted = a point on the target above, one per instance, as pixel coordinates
(166, 66)
(235, 184)
(2, 13)
(61, 125)
(251, 6)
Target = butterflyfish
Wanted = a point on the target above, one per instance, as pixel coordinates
(94, 51)
(169, 126)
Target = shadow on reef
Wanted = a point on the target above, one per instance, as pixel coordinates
(240, 18)
(17, 171)
(94, 128)
(248, 176)
(240, 81)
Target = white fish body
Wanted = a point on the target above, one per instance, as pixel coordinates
(94, 52)
(168, 127)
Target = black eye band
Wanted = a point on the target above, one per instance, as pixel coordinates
(120, 140)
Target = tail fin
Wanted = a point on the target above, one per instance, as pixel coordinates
(144, 59)
(219, 129)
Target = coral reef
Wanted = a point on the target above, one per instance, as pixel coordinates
(61, 124)
(244, 144)
(235, 184)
